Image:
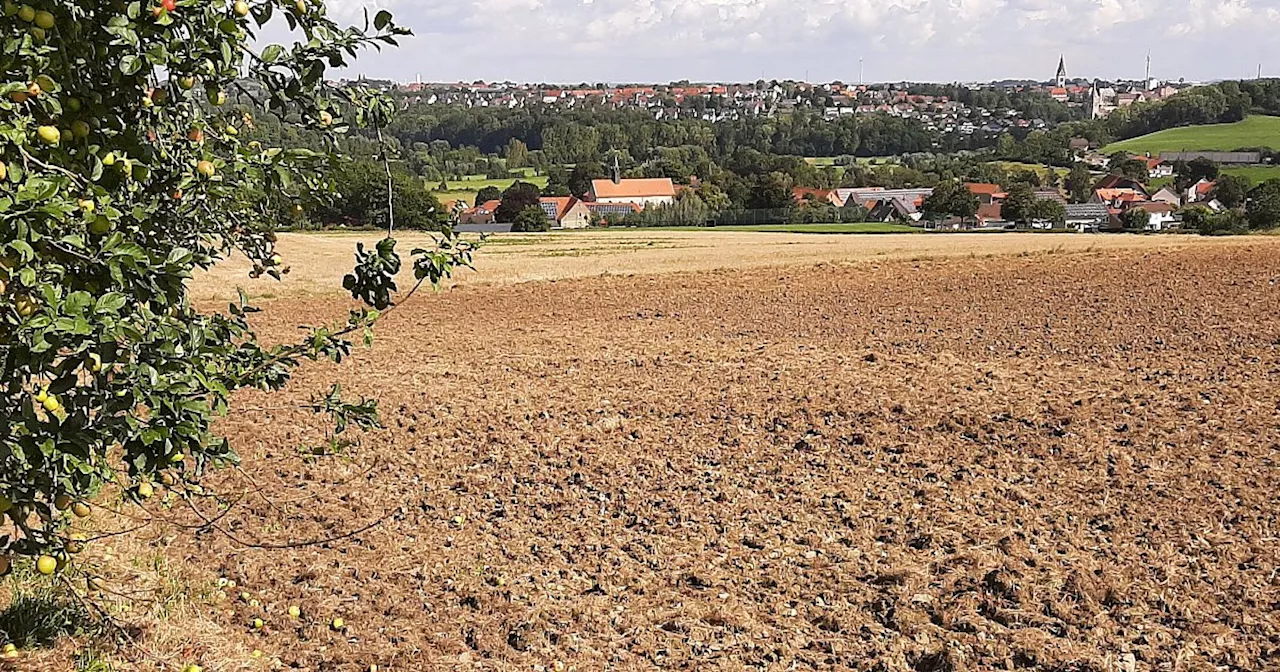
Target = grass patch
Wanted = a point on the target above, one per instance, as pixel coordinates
(40, 612)
(1255, 131)
(1255, 174)
(1039, 169)
(467, 188)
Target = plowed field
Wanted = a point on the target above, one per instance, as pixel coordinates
(1056, 462)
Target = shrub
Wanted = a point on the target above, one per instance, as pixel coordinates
(531, 218)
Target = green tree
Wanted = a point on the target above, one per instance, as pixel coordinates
(486, 194)
(1046, 210)
(124, 169)
(517, 153)
(1135, 219)
(557, 182)
(950, 199)
(1079, 183)
(1201, 168)
(516, 198)
(1231, 190)
(1134, 169)
(581, 176)
(1020, 203)
(531, 218)
(1263, 208)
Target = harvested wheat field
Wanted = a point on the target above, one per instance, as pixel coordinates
(320, 261)
(1046, 462)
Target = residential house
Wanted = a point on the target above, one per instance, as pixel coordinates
(481, 214)
(1161, 215)
(870, 195)
(828, 196)
(986, 193)
(566, 212)
(1158, 168)
(892, 210)
(1087, 216)
(1121, 182)
(988, 216)
(1050, 194)
(1199, 192)
(642, 191)
(1117, 198)
(1096, 160)
(1167, 195)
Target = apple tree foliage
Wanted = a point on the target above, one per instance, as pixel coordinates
(123, 170)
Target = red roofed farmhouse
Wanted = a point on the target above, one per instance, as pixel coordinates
(647, 191)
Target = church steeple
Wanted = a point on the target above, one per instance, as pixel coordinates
(1061, 79)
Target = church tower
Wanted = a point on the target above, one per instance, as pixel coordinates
(1061, 80)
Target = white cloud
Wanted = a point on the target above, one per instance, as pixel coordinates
(742, 39)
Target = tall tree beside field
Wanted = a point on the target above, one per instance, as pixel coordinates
(486, 194)
(950, 199)
(1135, 219)
(1079, 183)
(1134, 169)
(1046, 210)
(517, 154)
(1231, 190)
(124, 170)
(1263, 208)
(516, 198)
(1019, 204)
(531, 218)
(581, 176)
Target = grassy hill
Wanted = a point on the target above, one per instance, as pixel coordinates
(1256, 131)
(466, 188)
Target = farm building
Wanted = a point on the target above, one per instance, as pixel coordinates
(481, 214)
(566, 212)
(646, 191)
(1225, 158)
(1087, 216)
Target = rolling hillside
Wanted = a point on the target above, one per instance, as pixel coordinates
(1256, 131)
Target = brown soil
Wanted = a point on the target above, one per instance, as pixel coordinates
(1064, 462)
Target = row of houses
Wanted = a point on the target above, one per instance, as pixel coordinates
(1113, 197)
(614, 199)
(610, 199)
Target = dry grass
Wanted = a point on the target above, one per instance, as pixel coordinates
(320, 261)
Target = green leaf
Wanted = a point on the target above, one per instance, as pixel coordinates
(382, 19)
(130, 65)
(110, 304)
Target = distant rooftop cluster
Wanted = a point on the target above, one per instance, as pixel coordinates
(717, 101)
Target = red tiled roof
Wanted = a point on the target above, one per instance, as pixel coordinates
(635, 188)
(982, 188)
(563, 204)
(1153, 208)
(799, 193)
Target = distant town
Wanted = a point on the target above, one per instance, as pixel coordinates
(930, 104)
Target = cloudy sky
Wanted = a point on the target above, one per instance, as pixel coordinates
(922, 40)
